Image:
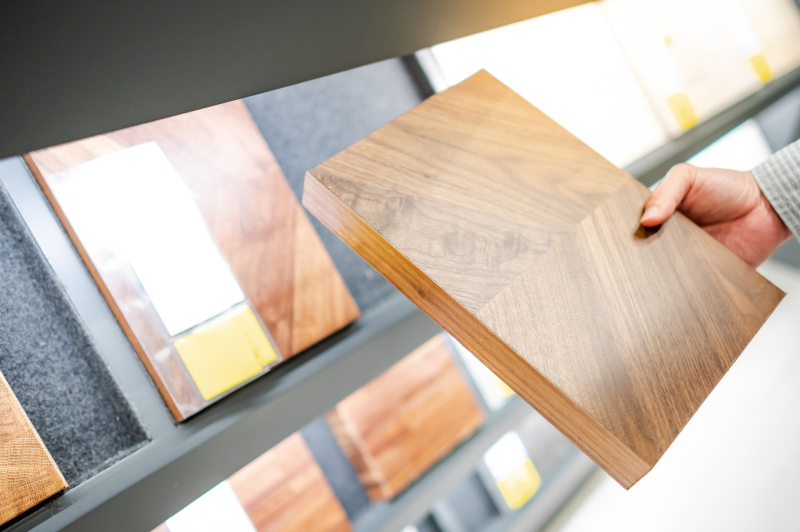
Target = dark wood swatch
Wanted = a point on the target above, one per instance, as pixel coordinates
(254, 217)
(284, 490)
(400, 424)
(28, 474)
(525, 245)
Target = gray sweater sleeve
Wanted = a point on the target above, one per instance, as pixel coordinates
(779, 180)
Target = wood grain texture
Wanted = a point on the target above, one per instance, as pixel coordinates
(284, 490)
(253, 215)
(525, 245)
(400, 424)
(28, 474)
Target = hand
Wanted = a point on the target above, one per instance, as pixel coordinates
(726, 203)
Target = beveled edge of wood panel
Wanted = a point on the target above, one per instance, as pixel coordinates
(552, 403)
(62, 484)
(98, 279)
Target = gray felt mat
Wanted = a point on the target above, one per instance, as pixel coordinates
(308, 123)
(52, 365)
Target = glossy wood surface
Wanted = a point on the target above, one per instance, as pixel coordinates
(400, 424)
(525, 245)
(254, 217)
(28, 474)
(284, 490)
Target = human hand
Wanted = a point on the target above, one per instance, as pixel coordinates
(726, 203)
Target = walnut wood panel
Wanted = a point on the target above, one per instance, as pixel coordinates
(525, 245)
(285, 490)
(400, 424)
(28, 474)
(256, 220)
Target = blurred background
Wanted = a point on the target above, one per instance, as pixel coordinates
(355, 436)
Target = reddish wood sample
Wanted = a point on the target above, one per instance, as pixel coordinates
(28, 474)
(256, 220)
(525, 245)
(284, 490)
(400, 424)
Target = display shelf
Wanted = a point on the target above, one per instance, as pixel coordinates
(184, 461)
(95, 72)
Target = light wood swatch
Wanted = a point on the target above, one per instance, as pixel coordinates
(525, 245)
(254, 217)
(400, 424)
(28, 474)
(285, 490)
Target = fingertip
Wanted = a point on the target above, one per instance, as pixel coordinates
(652, 216)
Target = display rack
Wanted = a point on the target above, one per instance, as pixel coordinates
(185, 460)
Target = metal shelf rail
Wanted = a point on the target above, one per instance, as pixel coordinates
(184, 461)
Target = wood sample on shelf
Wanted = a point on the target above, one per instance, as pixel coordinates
(249, 209)
(525, 245)
(401, 423)
(28, 474)
(284, 490)
(693, 57)
(590, 90)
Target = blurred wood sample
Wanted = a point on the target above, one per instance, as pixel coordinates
(525, 245)
(400, 424)
(28, 474)
(254, 217)
(284, 490)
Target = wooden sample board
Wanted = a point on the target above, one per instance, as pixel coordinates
(284, 490)
(401, 423)
(525, 245)
(255, 221)
(28, 474)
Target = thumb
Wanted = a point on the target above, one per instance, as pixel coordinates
(668, 194)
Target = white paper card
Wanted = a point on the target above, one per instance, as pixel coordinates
(145, 208)
(506, 456)
(217, 510)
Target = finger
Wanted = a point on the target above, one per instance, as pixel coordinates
(668, 195)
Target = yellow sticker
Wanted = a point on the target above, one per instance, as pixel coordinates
(518, 487)
(252, 330)
(223, 353)
(761, 66)
(682, 109)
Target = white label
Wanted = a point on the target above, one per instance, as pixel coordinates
(219, 509)
(145, 208)
(506, 456)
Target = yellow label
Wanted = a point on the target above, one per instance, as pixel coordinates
(226, 352)
(682, 109)
(521, 485)
(761, 66)
(259, 343)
